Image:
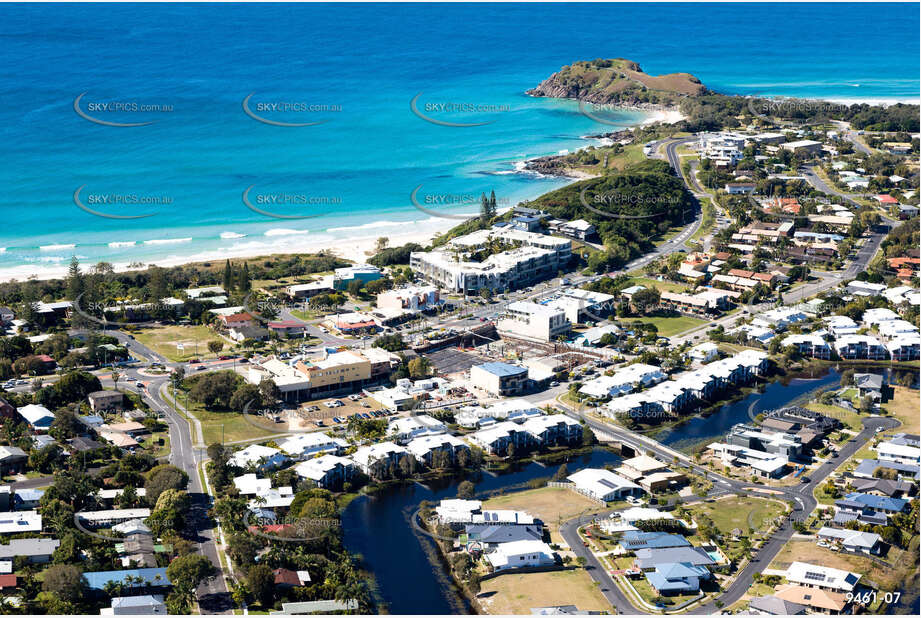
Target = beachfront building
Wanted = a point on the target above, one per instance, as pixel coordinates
(455, 266)
(412, 298)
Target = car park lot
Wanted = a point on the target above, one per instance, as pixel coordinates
(337, 410)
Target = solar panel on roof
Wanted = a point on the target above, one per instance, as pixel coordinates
(607, 483)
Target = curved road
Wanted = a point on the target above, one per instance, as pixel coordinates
(800, 496)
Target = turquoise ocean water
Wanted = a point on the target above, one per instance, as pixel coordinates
(353, 173)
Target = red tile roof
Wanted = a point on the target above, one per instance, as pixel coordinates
(286, 577)
(8, 581)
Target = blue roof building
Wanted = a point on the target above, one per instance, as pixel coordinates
(868, 466)
(499, 379)
(874, 502)
(154, 577)
(633, 540)
(648, 559)
(677, 578)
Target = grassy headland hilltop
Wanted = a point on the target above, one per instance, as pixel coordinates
(618, 81)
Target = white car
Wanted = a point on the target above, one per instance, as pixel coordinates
(823, 544)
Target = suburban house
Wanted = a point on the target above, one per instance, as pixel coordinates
(816, 599)
(677, 577)
(38, 417)
(32, 550)
(852, 540)
(519, 554)
(142, 605)
(772, 605)
(822, 577)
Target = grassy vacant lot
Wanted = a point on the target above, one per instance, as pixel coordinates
(739, 512)
(517, 593)
(662, 286)
(904, 406)
(235, 426)
(552, 505)
(163, 340)
(850, 419)
(808, 551)
(669, 326)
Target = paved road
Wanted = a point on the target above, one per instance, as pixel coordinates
(213, 596)
(800, 496)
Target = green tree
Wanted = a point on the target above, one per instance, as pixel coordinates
(66, 582)
(465, 490)
(161, 478)
(215, 346)
(419, 367)
(261, 582)
(228, 277)
(75, 280)
(186, 573)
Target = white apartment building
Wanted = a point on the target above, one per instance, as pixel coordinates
(532, 322)
(454, 268)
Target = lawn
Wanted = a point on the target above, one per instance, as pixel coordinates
(850, 419)
(517, 593)
(648, 593)
(808, 551)
(904, 406)
(163, 340)
(739, 512)
(662, 286)
(232, 426)
(708, 218)
(552, 505)
(669, 326)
